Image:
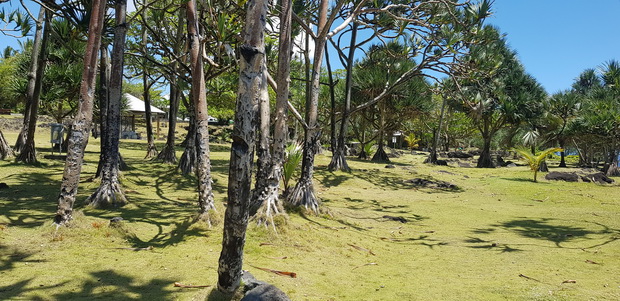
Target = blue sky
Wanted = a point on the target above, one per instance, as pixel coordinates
(555, 39)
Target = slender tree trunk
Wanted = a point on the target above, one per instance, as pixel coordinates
(27, 153)
(339, 159)
(82, 123)
(32, 80)
(203, 164)
(303, 194)
(562, 153)
(104, 97)
(252, 86)
(432, 157)
(267, 191)
(110, 193)
(332, 100)
(5, 148)
(381, 156)
(151, 150)
(168, 154)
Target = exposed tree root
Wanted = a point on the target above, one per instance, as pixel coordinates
(167, 155)
(187, 163)
(109, 194)
(380, 156)
(5, 148)
(269, 207)
(151, 151)
(20, 142)
(303, 195)
(339, 162)
(28, 154)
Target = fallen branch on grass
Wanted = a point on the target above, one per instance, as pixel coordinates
(281, 273)
(363, 265)
(149, 248)
(362, 249)
(178, 284)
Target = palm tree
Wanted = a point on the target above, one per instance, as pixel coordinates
(535, 160)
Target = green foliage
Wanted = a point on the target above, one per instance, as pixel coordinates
(412, 141)
(535, 160)
(369, 148)
(292, 159)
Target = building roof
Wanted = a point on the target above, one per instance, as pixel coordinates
(138, 106)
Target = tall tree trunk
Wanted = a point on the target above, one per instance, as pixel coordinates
(104, 98)
(332, 100)
(252, 86)
(267, 191)
(32, 80)
(203, 164)
(303, 194)
(562, 153)
(82, 123)
(339, 159)
(380, 155)
(110, 193)
(5, 148)
(27, 153)
(151, 150)
(168, 154)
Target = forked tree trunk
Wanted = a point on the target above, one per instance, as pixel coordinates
(110, 193)
(32, 80)
(28, 153)
(267, 190)
(203, 164)
(252, 85)
(5, 148)
(339, 159)
(82, 123)
(303, 194)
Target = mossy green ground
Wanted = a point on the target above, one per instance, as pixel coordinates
(500, 237)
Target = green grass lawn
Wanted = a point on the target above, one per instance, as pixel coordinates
(498, 237)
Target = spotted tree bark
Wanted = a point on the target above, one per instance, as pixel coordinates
(82, 123)
(266, 193)
(187, 163)
(27, 153)
(199, 98)
(104, 97)
(252, 86)
(110, 193)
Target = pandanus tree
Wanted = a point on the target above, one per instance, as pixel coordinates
(252, 91)
(562, 107)
(82, 123)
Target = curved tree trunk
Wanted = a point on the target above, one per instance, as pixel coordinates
(5, 148)
(82, 123)
(303, 194)
(28, 153)
(252, 86)
(203, 164)
(168, 153)
(267, 192)
(32, 81)
(339, 159)
(109, 193)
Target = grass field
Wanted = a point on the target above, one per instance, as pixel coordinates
(499, 236)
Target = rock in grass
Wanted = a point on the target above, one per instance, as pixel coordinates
(598, 177)
(116, 221)
(390, 166)
(562, 176)
(256, 290)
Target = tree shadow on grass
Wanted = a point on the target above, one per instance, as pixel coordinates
(528, 180)
(28, 202)
(110, 285)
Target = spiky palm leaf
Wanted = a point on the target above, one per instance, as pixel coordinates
(535, 160)
(293, 156)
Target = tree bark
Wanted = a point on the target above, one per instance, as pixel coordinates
(32, 80)
(5, 148)
(82, 123)
(267, 191)
(380, 155)
(199, 97)
(562, 153)
(28, 153)
(432, 157)
(104, 98)
(187, 163)
(303, 194)
(485, 160)
(109, 193)
(151, 150)
(339, 159)
(252, 86)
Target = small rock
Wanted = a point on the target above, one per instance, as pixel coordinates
(390, 166)
(116, 221)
